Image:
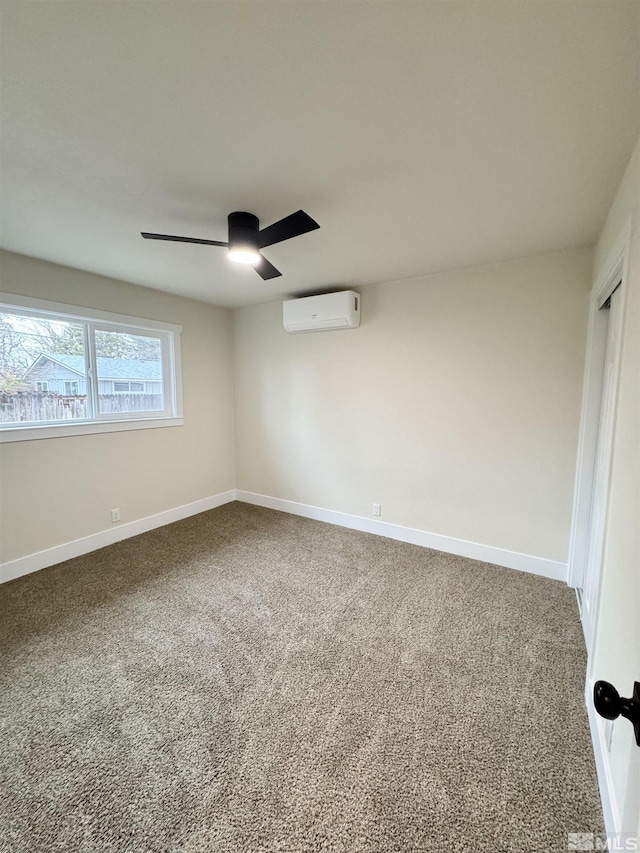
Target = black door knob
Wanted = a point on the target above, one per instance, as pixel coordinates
(610, 705)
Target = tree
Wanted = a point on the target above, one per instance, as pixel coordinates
(68, 340)
(13, 384)
(14, 359)
(23, 339)
(119, 345)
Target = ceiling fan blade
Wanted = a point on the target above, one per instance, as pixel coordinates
(148, 236)
(266, 269)
(291, 226)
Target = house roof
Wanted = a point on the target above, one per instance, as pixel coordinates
(108, 368)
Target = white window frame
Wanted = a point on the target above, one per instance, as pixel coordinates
(95, 320)
(139, 331)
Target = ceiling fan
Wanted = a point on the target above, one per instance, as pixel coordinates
(246, 240)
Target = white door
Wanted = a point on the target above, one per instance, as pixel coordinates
(605, 537)
(595, 545)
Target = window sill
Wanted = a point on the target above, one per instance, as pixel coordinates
(31, 433)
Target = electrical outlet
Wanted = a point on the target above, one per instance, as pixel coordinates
(377, 509)
(115, 515)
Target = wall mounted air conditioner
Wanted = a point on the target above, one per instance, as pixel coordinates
(319, 313)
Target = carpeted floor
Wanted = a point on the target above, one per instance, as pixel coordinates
(249, 681)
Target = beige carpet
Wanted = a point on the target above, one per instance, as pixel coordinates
(246, 680)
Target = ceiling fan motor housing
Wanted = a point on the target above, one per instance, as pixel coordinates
(246, 240)
(243, 231)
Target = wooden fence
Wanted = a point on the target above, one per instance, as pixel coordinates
(31, 406)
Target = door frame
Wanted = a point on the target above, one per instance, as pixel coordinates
(612, 271)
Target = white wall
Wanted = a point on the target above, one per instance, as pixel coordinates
(455, 405)
(57, 490)
(616, 654)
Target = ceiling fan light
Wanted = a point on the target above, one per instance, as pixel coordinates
(243, 254)
(246, 239)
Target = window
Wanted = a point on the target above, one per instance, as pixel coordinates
(126, 387)
(66, 371)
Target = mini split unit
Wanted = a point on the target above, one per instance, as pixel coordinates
(321, 313)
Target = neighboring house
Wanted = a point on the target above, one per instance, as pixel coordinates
(65, 374)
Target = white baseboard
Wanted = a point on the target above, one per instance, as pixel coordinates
(610, 809)
(473, 550)
(448, 544)
(68, 550)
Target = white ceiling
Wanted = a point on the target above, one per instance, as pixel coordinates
(421, 136)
